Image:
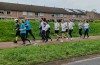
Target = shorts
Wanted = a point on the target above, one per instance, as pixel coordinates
(56, 31)
(63, 31)
(18, 33)
(66, 30)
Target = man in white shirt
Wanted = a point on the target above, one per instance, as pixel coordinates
(70, 26)
(56, 26)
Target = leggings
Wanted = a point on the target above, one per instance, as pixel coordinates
(70, 32)
(80, 32)
(30, 32)
(23, 37)
(47, 35)
(43, 35)
(86, 33)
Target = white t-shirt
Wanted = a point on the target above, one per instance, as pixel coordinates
(63, 26)
(47, 27)
(57, 25)
(66, 25)
(80, 25)
(86, 25)
(70, 25)
(43, 26)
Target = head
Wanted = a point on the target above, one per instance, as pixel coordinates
(42, 19)
(55, 20)
(26, 18)
(20, 21)
(16, 20)
(63, 20)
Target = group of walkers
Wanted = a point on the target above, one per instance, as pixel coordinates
(23, 28)
(67, 27)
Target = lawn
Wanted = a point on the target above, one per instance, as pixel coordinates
(32, 55)
(7, 30)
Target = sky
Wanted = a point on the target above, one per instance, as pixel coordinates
(71, 4)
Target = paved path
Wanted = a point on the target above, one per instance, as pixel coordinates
(92, 61)
(11, 44)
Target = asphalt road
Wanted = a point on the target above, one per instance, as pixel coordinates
(92, 61)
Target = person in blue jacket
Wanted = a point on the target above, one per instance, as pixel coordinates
(23, 32)
(28, 28)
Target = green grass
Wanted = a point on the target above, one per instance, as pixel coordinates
(7, 32)
(32, 55)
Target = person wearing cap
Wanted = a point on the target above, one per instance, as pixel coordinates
(28, 28)
(17, 30)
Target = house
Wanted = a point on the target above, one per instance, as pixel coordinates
(12, 11)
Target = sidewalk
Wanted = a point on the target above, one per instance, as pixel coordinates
(39, 42)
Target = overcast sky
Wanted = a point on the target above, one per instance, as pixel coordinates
(74, 4)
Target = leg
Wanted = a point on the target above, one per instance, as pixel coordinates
(23, 37)
(43, 35)
(31, 34)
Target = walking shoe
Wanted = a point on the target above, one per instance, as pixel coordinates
(51, 39)
(61, 41)
(15, 41)
(71, 39)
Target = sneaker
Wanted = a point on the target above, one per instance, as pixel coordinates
(71, 39)
(51, 39)
(61, 41)
(15, 41)
(67, 38)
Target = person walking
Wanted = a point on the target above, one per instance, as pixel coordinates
(66, 23)
(47, 31)
(28, 28)
(43, 29)
(70, 26)
(17, 30)
(23, 32)
(80, 26)
(63, 26)
(56, 27)
(86, 29)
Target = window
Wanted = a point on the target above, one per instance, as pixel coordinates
(41, 14)
(57, 15)
(52, 15)
(30, 13)
(65, 16)
(61, 15)
(24, 13)
(8, 12)
(1, 12)
(36, 14)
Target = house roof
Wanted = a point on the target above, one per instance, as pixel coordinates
(33, 8)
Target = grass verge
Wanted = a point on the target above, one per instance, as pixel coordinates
(32, 55)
